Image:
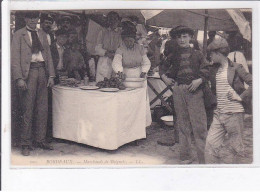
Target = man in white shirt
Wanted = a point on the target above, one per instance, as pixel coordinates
(33, 72)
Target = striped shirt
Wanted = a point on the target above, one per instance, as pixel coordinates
(225, 105)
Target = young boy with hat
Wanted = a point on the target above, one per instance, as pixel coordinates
(187, 70)
(232, 101)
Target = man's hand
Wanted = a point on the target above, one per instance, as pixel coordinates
(21, 84)
(194, 85)
(167, 81)
(50, 82)
(143, 75)
(232, 95)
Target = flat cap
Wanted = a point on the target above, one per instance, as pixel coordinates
(46, 17)
(66, 18)
(180, 30)
(217, 43)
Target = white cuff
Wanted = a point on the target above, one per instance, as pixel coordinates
(146, 64)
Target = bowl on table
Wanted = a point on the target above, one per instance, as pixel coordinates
(168, 120)
(134, 82)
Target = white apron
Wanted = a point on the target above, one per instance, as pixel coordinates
(104, 68)
(132, 72)
(135, 73)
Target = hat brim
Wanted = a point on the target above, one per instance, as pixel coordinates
(183, 31)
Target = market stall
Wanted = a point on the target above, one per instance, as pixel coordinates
(108, 120)
(105, 120)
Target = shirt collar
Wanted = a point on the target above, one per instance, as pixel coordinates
(36, 29)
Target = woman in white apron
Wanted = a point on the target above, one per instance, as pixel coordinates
(108, 41)
(131, 59)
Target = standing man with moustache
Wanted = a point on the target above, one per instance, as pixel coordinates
(33, 72)
(46, 25)
(65, 23)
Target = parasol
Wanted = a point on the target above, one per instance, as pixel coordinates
(201, 19)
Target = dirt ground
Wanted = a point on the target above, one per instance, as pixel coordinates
(146, 152)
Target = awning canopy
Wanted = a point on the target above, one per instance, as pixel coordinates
(218, 19)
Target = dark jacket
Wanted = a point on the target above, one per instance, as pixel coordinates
(54, 54)
(237, 75)
(55, 59)
(199, 65)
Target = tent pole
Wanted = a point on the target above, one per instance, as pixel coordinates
(205, 33)
(84, 29)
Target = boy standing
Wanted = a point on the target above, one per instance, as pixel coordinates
(188, 71)
(229, 114)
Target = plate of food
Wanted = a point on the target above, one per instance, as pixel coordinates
(88, 87)
(109, 89)
(129, 89)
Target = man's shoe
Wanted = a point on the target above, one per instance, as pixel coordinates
(44, 146)
(25, 150)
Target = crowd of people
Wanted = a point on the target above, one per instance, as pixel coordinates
(210, 93)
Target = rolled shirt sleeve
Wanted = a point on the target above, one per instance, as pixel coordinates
(99, 47)
(146, 64)
(117, 63)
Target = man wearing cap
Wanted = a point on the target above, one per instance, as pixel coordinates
(232, 101)
(187, 69)
(33, 72)
(57, 51)
(108, 40)
(46, 25)
(65, 23)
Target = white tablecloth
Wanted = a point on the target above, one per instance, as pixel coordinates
(159, 85)
(100, 119)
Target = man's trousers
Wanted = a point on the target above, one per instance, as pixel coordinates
(229, 126)
(34, 106)
(191, 118)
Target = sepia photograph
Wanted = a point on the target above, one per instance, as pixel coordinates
(131, 87)
(130, 94)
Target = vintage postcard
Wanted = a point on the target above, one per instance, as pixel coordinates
(130, 87)
(95, 88)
